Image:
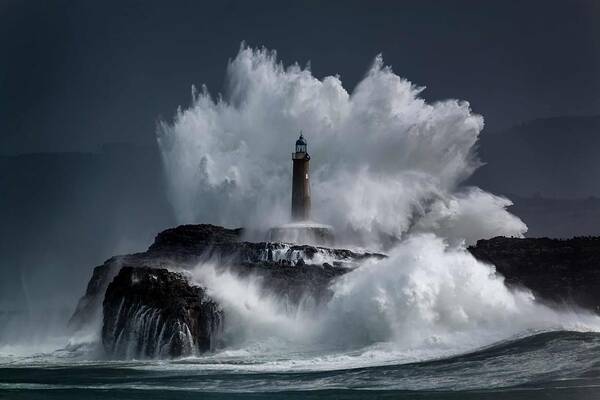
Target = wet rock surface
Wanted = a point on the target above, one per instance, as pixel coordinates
(293, 272)
(150, 312)
(555, 270)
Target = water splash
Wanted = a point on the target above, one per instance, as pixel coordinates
(383, 159)
(425, 300)
(385, 164)
(141, 332)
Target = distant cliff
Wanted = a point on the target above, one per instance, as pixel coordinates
(557, 271)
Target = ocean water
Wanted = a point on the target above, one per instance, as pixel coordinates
(548, 365)
(427, 322)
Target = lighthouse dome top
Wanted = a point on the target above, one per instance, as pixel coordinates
(301, 144)
(301, 140)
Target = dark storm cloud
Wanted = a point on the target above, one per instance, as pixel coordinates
(77, 74)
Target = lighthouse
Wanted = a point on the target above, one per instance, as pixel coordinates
(300, 230)
(300, 182)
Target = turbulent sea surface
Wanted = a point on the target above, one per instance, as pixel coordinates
(560, 365)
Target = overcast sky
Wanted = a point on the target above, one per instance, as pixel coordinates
(76, 74)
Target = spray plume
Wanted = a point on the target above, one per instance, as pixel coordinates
(384, 160)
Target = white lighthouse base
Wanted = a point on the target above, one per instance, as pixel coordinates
(304, 232)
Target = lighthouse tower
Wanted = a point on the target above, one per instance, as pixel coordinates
(300, 182)
(301, 231)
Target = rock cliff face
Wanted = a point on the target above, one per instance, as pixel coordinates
(149, 312)
(136, 296)
(149, 309)
(557, 271)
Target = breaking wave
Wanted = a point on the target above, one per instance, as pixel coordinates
(426, 300)
(383, 160)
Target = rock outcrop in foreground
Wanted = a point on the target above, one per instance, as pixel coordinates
(555, 270)
(151, 312)
(150, 309)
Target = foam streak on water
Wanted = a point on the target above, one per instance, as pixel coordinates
(542, 362)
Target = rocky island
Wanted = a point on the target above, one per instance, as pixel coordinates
(149, 308)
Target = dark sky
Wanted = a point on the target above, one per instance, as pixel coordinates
(76, 74)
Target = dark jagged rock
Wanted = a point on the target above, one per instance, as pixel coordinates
(559, 271)
(151, 312)
(189, 244)
(194, 239)
(303, 233)
(90, 305)
(186, 246)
